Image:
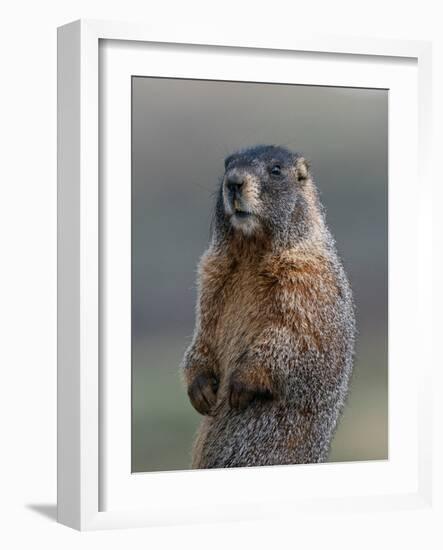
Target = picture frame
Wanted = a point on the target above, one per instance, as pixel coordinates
(96, 489)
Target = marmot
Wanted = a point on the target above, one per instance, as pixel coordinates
(271, 357)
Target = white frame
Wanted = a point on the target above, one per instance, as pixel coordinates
(78, 252)
(118, 487)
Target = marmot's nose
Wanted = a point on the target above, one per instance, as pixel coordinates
(234, 182)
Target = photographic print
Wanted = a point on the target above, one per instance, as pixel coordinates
(259, 274)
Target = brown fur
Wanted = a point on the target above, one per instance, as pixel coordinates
(265, 289)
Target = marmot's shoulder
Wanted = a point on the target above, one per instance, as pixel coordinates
(215, 262)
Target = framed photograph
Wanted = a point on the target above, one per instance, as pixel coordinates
(242, 264)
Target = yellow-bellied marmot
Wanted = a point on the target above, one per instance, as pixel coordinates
(271, 356)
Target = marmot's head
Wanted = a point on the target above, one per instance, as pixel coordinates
(261, 189)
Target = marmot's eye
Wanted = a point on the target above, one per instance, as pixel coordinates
(276, 170)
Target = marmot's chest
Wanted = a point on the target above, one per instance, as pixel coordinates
(242, 314)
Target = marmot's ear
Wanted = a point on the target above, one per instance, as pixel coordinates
(302, 169)
(228, 160)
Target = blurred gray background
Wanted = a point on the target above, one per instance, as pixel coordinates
(181, 132)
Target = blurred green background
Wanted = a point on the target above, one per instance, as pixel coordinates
(181, 132)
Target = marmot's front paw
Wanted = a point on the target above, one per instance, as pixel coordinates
(203, 393)
(241, 393)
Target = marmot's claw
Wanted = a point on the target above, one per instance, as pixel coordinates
(203, 393)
